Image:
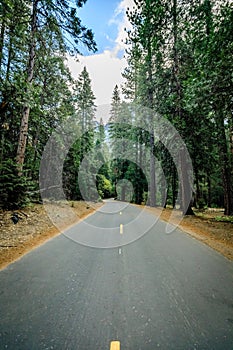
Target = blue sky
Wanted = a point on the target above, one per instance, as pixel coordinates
(98, 15)
(107, 19)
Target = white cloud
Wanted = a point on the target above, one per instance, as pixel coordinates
(105, 68)
(120, 18)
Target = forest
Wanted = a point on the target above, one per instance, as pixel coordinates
(169, 137)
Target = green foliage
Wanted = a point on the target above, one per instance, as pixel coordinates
(104, 186)
(84, 114)
(34, 41)
(224, 219)
(13, 188)
(180, 65)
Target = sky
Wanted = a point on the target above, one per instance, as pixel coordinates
(107, 19)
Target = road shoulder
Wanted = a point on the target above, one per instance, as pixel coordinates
(217, 235)
(33, 229)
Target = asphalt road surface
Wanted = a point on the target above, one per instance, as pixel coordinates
(84, 290)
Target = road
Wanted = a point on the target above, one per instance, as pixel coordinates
(161, 291)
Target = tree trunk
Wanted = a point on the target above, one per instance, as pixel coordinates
(2, 34)
(10, 52)
(123, 193)
(198, 193)
(23, 133)
(209, 190)
(231, 142)
(225, 162)
(137, 150)
(152, 171)
(176, 61)
(184, 176)
(174, 184)
(140, 187)
(186, 188)
(151, 119)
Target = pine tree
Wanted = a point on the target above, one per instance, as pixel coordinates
(58, 17)
(85, 109)
(145, 58)
(34, 79)
(85, 117)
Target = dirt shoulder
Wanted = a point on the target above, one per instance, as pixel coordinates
(204, 226)
(33, 229)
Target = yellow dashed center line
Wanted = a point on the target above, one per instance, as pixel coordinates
(115, 345)
(121, 229)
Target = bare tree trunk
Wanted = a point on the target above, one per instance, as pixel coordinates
(174, 186)
(186, 188)
(230, 122)
(198, 193)
(10, 52)
(152, 171)
(142, 198)
(152, 137)
(225, 162)
(136, 189)
(2, 34)
(184, 176)
(209, 190)
(23, 133)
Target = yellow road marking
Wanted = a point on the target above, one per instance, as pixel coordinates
(115, 345)
(121, 229)
(120, 213)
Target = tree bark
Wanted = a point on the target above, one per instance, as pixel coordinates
(151, 119)
(23, 133)
(198, 193)
(186, 189)
(225, 162)
(2, 33)
(10, 52)
(184, 176)
(174, 186)
(152, 171)
(209, 190)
